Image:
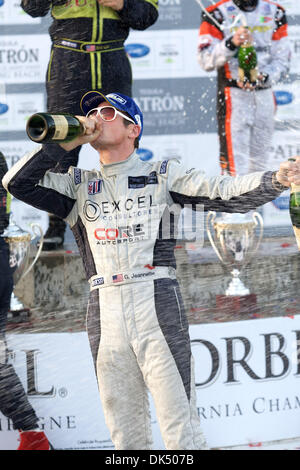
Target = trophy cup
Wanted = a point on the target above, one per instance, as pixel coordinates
(235, 242)
(19, 243)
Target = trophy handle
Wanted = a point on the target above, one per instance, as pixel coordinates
(258, 221)
(35, 226)
(209, 221)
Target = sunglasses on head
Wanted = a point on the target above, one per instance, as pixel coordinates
(107, 113)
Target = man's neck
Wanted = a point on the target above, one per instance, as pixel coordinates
(114, 156)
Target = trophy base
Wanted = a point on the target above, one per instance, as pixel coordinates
(236, 304)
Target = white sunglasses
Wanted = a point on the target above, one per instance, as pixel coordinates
(107, 113)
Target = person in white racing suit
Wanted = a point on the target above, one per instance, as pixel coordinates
(137, 327)
(245, 111)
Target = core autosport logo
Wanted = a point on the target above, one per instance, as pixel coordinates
(113, 235)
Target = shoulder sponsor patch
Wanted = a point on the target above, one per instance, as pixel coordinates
(163, 167)
(94, 187)
(77, 175)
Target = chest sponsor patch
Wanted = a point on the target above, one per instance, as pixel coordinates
(94, 187)
(136, 182)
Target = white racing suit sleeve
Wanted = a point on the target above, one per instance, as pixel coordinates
(280, 49)
(221, 193)
(31, 181)
(214, 48)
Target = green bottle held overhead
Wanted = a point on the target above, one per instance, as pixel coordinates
(295, 211)
(247, 63)
(55, 128)
(295, 208)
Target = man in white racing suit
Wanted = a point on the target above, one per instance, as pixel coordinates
(137, 327)
(245, 111)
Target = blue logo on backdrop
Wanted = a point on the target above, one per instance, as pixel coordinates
(137, 50)
(3, 107)
(1, 3)
(282, 203)
(283, 97)
(145, 154)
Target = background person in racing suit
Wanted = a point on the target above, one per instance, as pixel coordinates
(87, 53)
(245, 112)
(13, 400)
(137, 327)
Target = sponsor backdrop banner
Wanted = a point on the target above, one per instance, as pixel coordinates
(12, 14)
(175, 94)
(247, 377)
(23, 58)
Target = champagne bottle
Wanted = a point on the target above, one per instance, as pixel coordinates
(55, 128)
(295, 211)
(247, 59)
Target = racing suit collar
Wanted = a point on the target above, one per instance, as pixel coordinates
(113, 169)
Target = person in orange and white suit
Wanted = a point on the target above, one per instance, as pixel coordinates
(245, 111)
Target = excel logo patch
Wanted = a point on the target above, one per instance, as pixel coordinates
(94, 187)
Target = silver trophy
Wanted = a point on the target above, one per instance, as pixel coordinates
(19, 247)
(235, 242)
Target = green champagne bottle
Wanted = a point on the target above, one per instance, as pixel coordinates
(55, 128)
(295, 211)
(247, 59)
